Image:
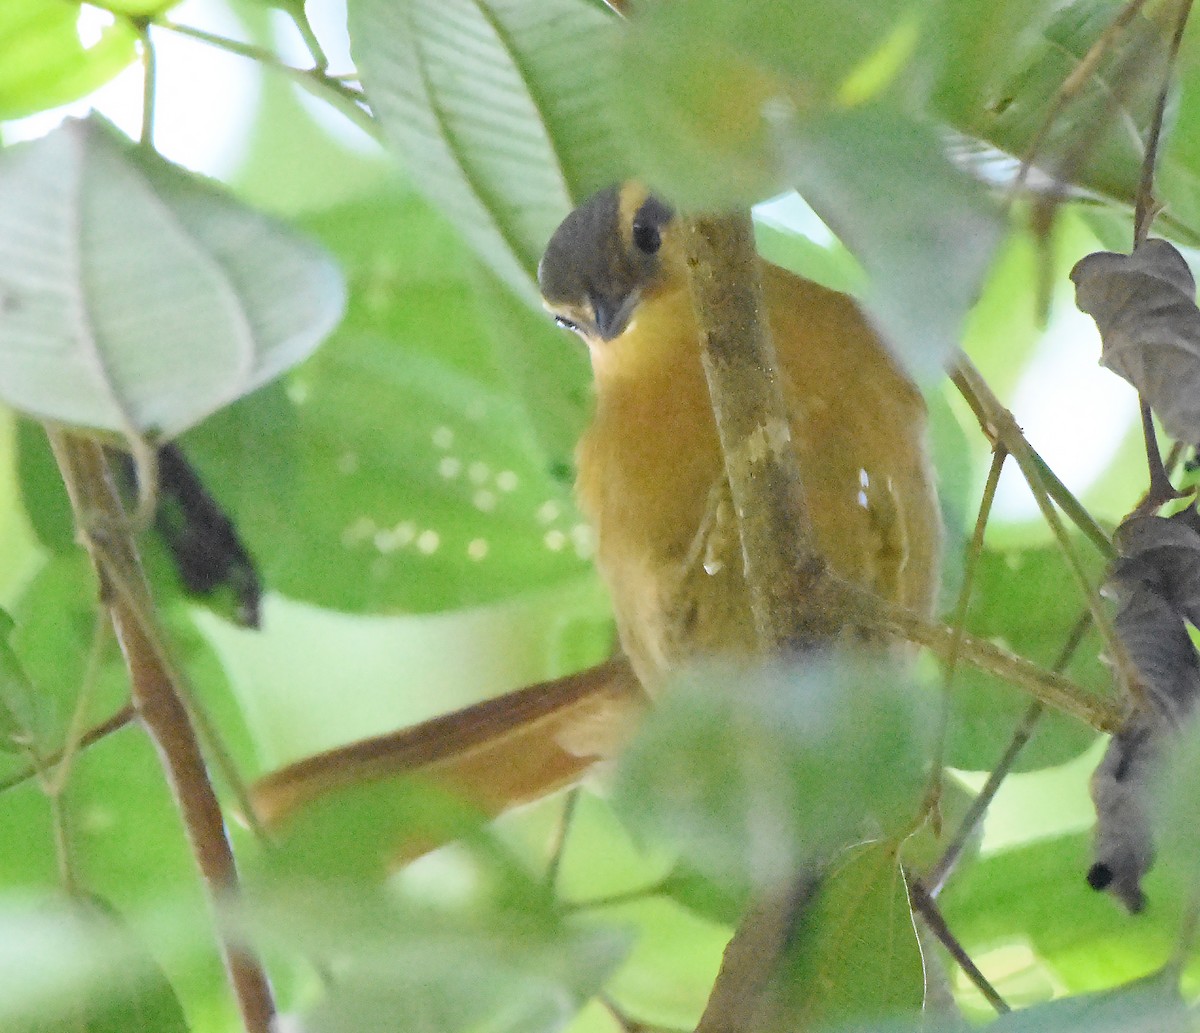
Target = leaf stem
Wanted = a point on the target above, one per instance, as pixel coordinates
(123, 717)
(346, 99)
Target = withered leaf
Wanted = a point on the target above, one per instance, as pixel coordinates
(1156, 583)
(1144, 305)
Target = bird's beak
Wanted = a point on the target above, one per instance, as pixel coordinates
(613, 314)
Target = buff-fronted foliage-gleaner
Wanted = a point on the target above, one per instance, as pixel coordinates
(651, 481)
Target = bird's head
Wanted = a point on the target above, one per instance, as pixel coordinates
(606, 257)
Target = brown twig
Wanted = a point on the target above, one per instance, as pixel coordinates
(105, 531)
(924, 905)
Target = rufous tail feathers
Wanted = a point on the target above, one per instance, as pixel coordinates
(494, 755)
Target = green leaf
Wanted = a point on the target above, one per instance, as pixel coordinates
(752, 773)
(1033, 902)
(43, 61)
(79, 969)
(404, 967)
(397, 471)
(975, 48)
(924, 232)
(495, 106)
(1011, 605)
(1096, 140)
(702, 87)
(854, 954)
(139, 297)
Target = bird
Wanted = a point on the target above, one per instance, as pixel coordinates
(650, 479)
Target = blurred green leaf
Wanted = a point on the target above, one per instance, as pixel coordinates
(406, 968)
(924, 232)
(495, 107)
(753, 773)
(1012, 604)
(45, 63)
(854, 953)
(975, 48)
(702, 87)
(397, 471)
(137, 296)
(79, 969)
(1149, 1004)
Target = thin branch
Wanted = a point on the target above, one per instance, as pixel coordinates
(999, 424)
(330, 88)
(75, 730)
(123, 717)
(983, 799)
(149, 85)
(743, 985)
(1002, 429)
(104, 529)
(924, 905)
(1145, 207)
(560, 838)
(1052, 689)
(959, 624)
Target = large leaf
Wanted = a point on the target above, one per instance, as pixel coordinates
(137, 296)
(495, 106)
(43, 60)
(440, 497)
(1034, 901)
(854, 953)
(703, 87)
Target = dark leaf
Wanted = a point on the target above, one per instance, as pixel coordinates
(1144, 305)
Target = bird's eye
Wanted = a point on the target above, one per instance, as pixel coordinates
(566, 324)
(646, 237)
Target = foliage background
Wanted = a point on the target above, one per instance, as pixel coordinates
(406, 491)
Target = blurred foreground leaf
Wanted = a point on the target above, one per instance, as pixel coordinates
(752, 773)
(45, 63)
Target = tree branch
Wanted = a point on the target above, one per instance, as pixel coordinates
(103, 528)
(795, 604)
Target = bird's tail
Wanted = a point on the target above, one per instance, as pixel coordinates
(493, 755)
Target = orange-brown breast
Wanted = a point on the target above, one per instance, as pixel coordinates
(651, 475)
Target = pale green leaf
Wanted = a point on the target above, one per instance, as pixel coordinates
(496, 108)
(43, 61)
(137, 296)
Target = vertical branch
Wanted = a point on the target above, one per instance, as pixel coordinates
(794, 603)
(105, 531)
